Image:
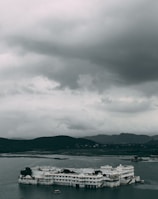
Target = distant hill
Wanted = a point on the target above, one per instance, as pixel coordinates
(153, 142)
(44, 144)
(123, 144)
(123, 138)
(155, 137)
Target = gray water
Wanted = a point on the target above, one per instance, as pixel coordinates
(10, 189)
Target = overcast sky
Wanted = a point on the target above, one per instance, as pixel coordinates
(78, 67)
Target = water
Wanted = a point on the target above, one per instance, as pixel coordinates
(10, 168)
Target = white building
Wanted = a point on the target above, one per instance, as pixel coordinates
(105, 176)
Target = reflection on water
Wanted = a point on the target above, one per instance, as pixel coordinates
(40, 192)
(130, 192)
(10, 168)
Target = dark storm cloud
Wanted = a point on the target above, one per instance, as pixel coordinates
(123, 43)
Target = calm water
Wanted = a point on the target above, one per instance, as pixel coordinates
(10, 168)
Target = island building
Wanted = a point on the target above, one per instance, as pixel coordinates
(105, 176)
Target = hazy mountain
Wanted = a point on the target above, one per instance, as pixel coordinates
(123, 138)
(155, 137)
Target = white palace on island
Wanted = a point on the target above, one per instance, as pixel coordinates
(105, 176)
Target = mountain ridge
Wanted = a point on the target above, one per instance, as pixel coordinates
(123, 138)
(44, 144)
(122, 144)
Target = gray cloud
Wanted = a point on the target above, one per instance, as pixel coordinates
(127, 106)
(98, 55)
(122, 43)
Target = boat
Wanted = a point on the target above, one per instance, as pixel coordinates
(56, 191)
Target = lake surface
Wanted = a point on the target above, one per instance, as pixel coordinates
(10, 168)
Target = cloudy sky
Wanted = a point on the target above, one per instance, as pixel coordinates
(78, 67)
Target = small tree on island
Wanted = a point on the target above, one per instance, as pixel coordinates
(26, 172)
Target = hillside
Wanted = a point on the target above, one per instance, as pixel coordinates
(123, 138)
(123, 144)
(44, 144)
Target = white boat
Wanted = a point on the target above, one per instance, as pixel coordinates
(57, 191)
